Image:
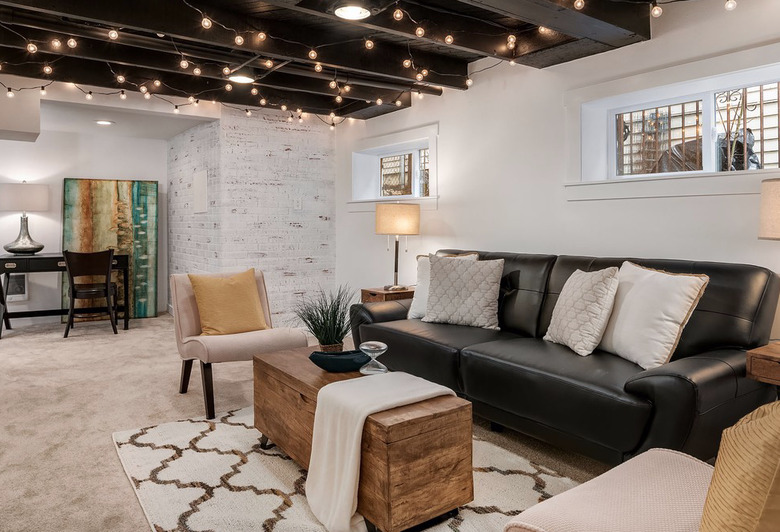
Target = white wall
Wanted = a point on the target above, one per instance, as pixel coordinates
(52, 158)
(502, 162)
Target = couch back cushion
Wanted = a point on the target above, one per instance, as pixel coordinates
(523, 286)
(736, 310)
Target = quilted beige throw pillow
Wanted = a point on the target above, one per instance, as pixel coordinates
(420, 299)
(651, 309)
(744, 495)
(464, 292)
(581, 314)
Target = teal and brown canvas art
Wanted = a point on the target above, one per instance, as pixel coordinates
(99, 214)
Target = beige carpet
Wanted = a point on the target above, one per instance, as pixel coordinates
(60, 401)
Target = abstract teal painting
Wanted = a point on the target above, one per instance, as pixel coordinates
(99, 214)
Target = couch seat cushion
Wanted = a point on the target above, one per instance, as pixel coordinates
(551, 384)
(428, 350)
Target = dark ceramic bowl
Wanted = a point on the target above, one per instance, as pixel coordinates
(340, 362)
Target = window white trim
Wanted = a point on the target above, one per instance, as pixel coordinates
(592, 105)
(366, 180)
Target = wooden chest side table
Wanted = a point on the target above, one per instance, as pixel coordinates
(763, 363)
(370, 295)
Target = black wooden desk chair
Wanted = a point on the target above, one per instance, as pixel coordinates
(98, 264)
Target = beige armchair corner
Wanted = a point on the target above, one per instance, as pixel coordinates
(224, 348)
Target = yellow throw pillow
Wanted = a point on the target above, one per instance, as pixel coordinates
(228, 305)
(744, 494)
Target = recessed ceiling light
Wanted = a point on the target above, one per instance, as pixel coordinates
(104, 122)
(239, 78)
(352, 10)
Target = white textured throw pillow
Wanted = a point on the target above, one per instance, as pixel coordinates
(580, 316)
(420, 300)
(464, 292)
(651, 310)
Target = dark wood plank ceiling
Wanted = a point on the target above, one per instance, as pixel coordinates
(305, 46)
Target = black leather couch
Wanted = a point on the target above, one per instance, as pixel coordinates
(601, 405)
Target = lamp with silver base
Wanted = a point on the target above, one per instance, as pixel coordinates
(25, 198)
(397, 219)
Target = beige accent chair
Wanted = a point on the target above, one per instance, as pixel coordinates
(224, 348)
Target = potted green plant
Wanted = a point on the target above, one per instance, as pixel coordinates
(326, 315)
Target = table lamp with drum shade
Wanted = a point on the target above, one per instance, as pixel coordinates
(24, 198)
(397, 219)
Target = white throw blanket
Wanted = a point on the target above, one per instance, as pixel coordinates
(342, 409)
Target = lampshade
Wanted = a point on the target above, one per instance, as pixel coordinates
(22, 197)
(769, 213)
(397, 219)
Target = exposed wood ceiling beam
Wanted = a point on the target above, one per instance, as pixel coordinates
(469, 34)
(83, 72)
(192, 52)
(175, 19)
(612, 23)
(117, 54)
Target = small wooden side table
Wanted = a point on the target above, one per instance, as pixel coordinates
(370, 295)
(763, 363)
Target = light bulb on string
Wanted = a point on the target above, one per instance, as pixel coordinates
(379, 101)
(184, 63)
(176, 109)
(143, 89)
(254, 91)
(731, 5)
(226, 70)
(248, 112)
(113, 35)
(191, 99)
(300, 119)
(299, 110)
(318, 67)
(56, 44)
(10, 92)
(196, 103)
(263, 101)
(262, 36)
(147, 96)
(419, 76)
(43, 91)
(197, 71)
(579, 4)
(398, 14)
(511, 45)
(31, 47)
(420, 31)
(206, 22)
(369, 44)
(339, 99)
(72, 43)
(47, 69)
(449, 39)
(332, 114)
(89, 96)
(424, 72)
(511, 38)
(398, 103)
(157, 83)
(407, 63)
(332, 126)
(290, 118)
(228, 87)
(544, 30)
(420, 96)
(269, 63)
(120, 78)
(657, 10)
(469, 82)
(239, 40)
(283, 107)
(122, 95)
(347, 88)
(512, 62)
(333, 84)
(312, 54)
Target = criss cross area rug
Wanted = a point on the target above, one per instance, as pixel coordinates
(196, 474)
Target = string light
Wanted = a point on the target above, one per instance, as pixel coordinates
(299, 110)
(419, 31)
(263, 101)
(407, 63)
(398, 14)
(184, 63)
(369, 44)
(398, 103)
(31, 47)
(424, 71)
(332, 114)
(120, 78)
(113, 35)
(197, 71)
(239, 40)
(347, 88)
(157, 83)
(254, 91)
(449, 39)
(43, 91)
(72, 43)
(226, 71)
(579, 4)
(10, 93)
(269, 63)
(657, 10)
(318, 67)
(283, 107)
(206, 22)
(512, 62)
(176, 109)
(333, 84)
(261, 36)
(228, 87)
(47, 69)
(196, 103)
(122, 95)
(332, 126)
(143, 89)
(290, 118)
(89, 96)
(312, 54)
(339, 99)
(147, 96)
(469, 82)
(731, 5)
(420, 96)
(300, 119)
(379, 101)
(56, 44)
(543, 30)
(191, 99)
(419, 76)
(248, 112)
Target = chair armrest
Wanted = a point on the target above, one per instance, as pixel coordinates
(686, 390)
(381, 311)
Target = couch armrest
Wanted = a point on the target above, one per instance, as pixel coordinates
(685, 391)
(363, 313)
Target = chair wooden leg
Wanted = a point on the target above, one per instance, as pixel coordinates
(208, 389)
(111, 313)
(69, 324)
(186, 370)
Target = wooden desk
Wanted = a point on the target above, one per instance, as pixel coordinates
(50, 262)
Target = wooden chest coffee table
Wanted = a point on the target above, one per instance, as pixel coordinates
(416, 459)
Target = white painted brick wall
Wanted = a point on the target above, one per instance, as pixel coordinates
(257, 167)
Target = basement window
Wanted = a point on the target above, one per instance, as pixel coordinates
(395, 167)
